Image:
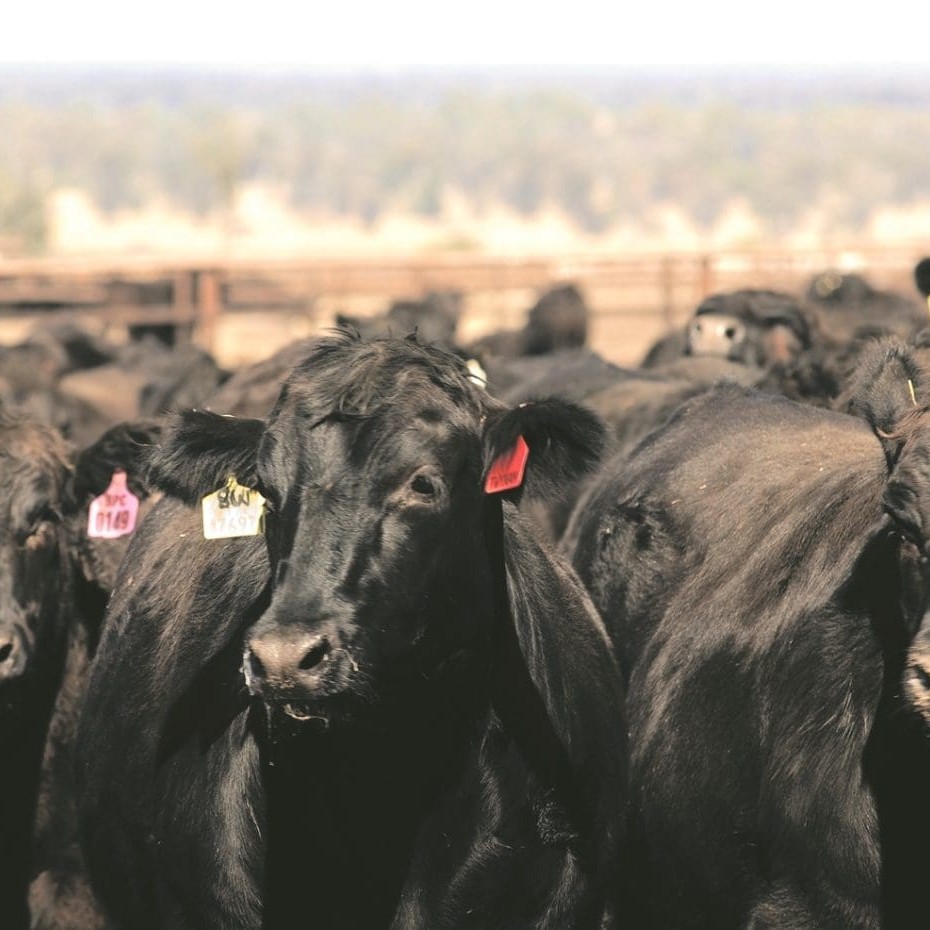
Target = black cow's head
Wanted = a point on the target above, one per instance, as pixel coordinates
(34, 465)
(752, 327)
(46, 489)
(373, 464)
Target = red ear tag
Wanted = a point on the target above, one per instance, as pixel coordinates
(114, 513)
(507, 471)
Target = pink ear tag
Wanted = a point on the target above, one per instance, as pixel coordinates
(508, 468)
(114, 513)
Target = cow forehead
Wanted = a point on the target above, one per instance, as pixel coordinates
(360, 378)
(387, 441)
(33, 468)
(360, 405)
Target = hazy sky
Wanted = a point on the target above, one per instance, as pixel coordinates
(397, 34)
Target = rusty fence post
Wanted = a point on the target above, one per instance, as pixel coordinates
(208, 307)
(667, 272)
(183, 309)
(707, 276)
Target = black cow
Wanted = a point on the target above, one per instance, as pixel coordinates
(435, 318)
(422, 737)
(37, 577)
(850, 308)
(29, 374)
(60, 897)
(252, 390)
(49, 594)
(755, 567)
(753, 327)
(770, 333)
(557, 322)
(146, 379)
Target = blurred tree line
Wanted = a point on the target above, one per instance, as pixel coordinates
(604, 151)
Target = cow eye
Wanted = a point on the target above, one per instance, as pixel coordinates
(423, 486)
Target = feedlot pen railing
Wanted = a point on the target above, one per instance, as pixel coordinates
(242, 310)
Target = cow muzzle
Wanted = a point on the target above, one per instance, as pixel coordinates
(14, 652)
(298, 669)
(716, 335)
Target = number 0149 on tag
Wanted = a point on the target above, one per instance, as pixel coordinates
(234, 510)
(113, 513)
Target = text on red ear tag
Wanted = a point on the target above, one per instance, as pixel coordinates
(114, 513)
(508, 468)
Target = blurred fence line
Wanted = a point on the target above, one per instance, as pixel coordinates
(658, 290)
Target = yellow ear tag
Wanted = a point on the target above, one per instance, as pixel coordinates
(232, 511)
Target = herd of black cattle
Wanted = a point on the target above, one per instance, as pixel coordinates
(534, 643)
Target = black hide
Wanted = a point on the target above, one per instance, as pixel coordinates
(362, 720)
(762, 601)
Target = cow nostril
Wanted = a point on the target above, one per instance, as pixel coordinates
(315, 656)
(730, 332)
(6, 650)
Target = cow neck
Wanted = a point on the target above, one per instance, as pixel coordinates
(345, 808)
(514, 696)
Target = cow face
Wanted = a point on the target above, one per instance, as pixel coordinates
(717, 334)
(751, 327)
(32, 543)
(372, 463)
(375, 527)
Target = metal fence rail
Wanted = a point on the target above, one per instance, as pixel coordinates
(663, 288)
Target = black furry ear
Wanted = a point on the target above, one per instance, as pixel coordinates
(565, 442)
(200, 450)
(126, 446)
(888, 384)
(907, 495)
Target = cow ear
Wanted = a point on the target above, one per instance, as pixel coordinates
(126, 447)
(564, 440)
(200, 450)
(907, 494)
(888, 387)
